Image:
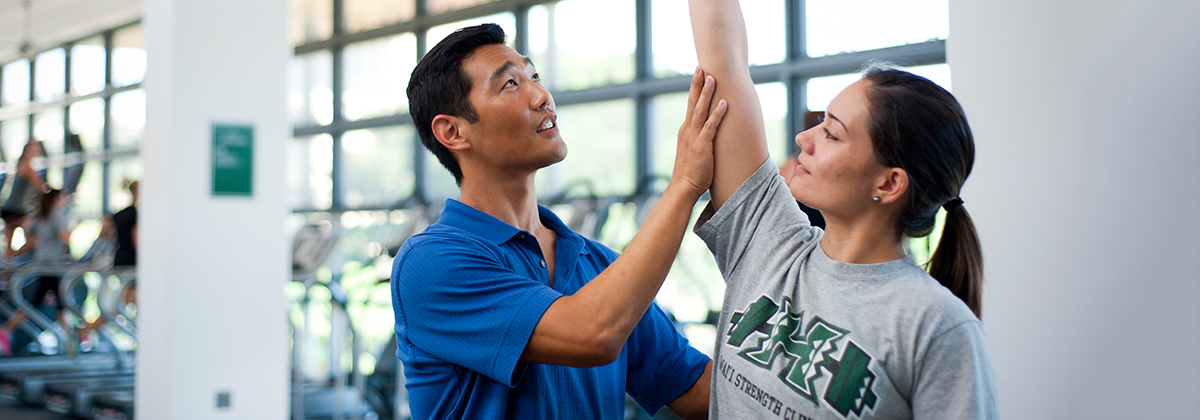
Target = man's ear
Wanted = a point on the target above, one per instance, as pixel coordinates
(892, 185)
(448, 130)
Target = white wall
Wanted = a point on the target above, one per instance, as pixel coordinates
(1086, 192)
(212, 269)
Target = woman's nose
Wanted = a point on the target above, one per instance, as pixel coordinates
(804, 141)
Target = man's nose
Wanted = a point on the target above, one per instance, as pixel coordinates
(542, 99)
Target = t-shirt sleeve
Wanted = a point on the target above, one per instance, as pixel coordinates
(464, 306)
(955, 379)
(760, 218)
(661, 363)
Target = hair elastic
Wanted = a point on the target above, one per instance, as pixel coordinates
(954, 203)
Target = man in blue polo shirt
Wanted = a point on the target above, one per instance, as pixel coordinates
(501, 310)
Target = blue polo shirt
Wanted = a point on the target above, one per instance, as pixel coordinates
(467, 293)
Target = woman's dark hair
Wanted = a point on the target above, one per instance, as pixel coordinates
(46, 206)
(440, 86)
(917, 126)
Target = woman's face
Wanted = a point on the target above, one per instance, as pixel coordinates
(836, 171)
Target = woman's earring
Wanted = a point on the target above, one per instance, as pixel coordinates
(876, 200)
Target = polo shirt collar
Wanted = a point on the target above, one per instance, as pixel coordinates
(461, 216)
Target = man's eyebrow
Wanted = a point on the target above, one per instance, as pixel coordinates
(827, 114)
(508, 65)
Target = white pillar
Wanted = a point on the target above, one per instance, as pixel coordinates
(1085, 193)
(212, 268)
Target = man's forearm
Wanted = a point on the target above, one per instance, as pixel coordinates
(604, 312)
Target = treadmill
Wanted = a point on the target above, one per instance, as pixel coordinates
(113, 406)
(15, 371)
(80, 397)
(29, 386)
(334, 397)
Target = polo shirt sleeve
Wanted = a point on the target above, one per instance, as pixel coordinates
(464, 306)
(661, 363)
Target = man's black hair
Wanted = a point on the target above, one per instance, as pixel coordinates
(440, 86)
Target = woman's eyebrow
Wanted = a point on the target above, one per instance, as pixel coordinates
(827, 114)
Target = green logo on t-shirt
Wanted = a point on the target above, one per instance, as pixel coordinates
(807, 351)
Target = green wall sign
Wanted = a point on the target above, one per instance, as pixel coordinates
(232, 159)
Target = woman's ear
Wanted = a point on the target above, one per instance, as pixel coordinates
(892, 185)
(448, 130)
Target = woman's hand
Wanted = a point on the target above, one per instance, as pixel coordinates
(694, 147)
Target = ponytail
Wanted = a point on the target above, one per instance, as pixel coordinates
(957, 263)
(919, 126)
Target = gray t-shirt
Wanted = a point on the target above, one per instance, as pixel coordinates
(802, 336)
(49, 248)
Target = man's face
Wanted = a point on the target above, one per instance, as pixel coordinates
(517, 128)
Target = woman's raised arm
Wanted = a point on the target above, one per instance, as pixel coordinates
(741, 145)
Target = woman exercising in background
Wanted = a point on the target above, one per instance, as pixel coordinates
(840, 323)
(27, 185)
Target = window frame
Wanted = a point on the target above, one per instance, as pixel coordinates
(794, 72)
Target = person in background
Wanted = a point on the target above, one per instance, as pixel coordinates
(126, 225)
(47, 236)
(26, 187)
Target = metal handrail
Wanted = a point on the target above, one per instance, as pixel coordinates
(27, 273)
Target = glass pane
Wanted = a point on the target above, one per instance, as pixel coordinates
(86, 200)
(773, 98)
(668, 112)
(666, 115)
(128, 118)
(310, 169)
(311, 20)
(578, 44)
(50, 78)
(822, 90)
(766, 31)
(16, 83)
(439, 182)
(87, 66)
(600, 144)
(377, 75)
(48, 127)
(694, 285)
(838, 26)
(54, 174)
(13, 136)
(440, 6)
(675, 52)
(378, 166)
(129, 57)
(362, 15)
(87, 120)
(505, 20)
(310, 89)
(121, 171)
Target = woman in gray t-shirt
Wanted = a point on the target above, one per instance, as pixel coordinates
(840, 323)
(46, 235)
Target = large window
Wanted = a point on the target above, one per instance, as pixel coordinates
(351, 75)
(619, 71)
(89, 87)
